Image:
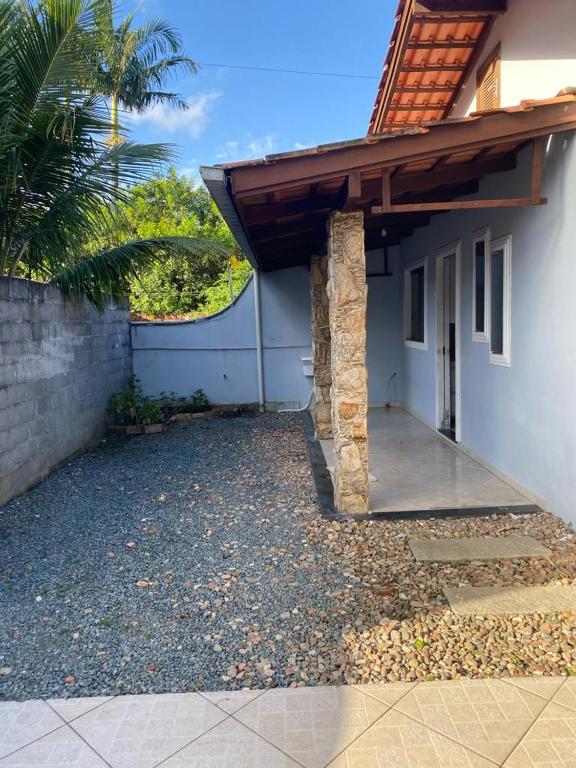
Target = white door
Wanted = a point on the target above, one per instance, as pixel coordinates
(448, 366)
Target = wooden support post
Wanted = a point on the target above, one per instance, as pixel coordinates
(353, 191)
(536, 169)
(386, 198)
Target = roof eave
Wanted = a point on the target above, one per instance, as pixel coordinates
(216, 181)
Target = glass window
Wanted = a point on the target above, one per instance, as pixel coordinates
(500, 301)
(415, 305)
(479, 287)
(497, 302)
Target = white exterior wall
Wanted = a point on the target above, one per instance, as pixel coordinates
(520, 419)
(218, 354)
(538, 53)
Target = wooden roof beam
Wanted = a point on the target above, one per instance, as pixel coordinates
(465, 135)
(263, 213)
(455, 205)
(439, 176)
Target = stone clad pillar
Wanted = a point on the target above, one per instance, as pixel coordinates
(347, 299)
(321, 347)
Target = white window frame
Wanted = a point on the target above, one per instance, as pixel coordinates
(481, 235)
(504, 244)
(407, 308)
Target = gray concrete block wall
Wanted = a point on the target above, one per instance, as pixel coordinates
(59, 364)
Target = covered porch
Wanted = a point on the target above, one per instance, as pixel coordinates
(340, 209)
(411, 468)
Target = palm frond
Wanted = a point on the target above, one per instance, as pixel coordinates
(108, 272)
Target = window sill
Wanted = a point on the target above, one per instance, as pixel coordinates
(415, 344)
(500, 360)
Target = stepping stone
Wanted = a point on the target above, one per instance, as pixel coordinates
(482, 548)
(479, 601)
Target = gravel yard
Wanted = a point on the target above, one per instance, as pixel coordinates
(197, 559)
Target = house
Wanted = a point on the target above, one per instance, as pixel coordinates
(433, 259)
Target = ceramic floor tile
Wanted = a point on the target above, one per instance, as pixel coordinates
(550, 743)
(23, 722)
(486, 716)
(139, 731)
(546, 687)
(230, 745)
(60, 749)
(397, 741)
(231, 701)
(312, 724)
(567, 694)
(70, 709)
(388, 693)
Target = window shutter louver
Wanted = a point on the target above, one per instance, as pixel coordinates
(488, 83)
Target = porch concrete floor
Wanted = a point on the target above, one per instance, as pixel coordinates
(413, 468)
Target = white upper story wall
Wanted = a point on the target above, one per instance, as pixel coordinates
(538, 53)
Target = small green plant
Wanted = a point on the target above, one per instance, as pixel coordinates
(133, 407)
(172, 403)
(199, 401)
(419, 643)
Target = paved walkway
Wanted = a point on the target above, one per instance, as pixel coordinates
(517, 723)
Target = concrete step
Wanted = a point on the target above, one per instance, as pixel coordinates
(482, 601)
(482, 548)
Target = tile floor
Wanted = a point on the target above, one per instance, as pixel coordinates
(412, 468)
(519, 723)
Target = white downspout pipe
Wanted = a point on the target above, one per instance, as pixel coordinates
(259, 355)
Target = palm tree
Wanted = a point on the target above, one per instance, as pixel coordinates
(136, 62)
(60, 178)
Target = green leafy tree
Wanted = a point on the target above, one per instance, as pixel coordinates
(227, 286)
(60, 179)
(181, 284)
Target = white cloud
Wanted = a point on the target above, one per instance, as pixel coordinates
(298, 145)
(247, 148)
(192, 120)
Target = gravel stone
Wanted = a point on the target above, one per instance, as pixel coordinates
(197, 559)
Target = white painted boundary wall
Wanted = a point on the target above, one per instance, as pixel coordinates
(218, 353)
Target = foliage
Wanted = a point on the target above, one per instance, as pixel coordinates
(178, 285)
(133, 407)
(218, 295)
(173, 403)
(60, 178)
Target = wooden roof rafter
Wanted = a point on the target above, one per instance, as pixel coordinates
(283, 202)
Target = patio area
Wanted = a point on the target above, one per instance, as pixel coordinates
(413, 468)
(522, 723)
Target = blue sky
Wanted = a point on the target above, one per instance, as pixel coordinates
(237, 114)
